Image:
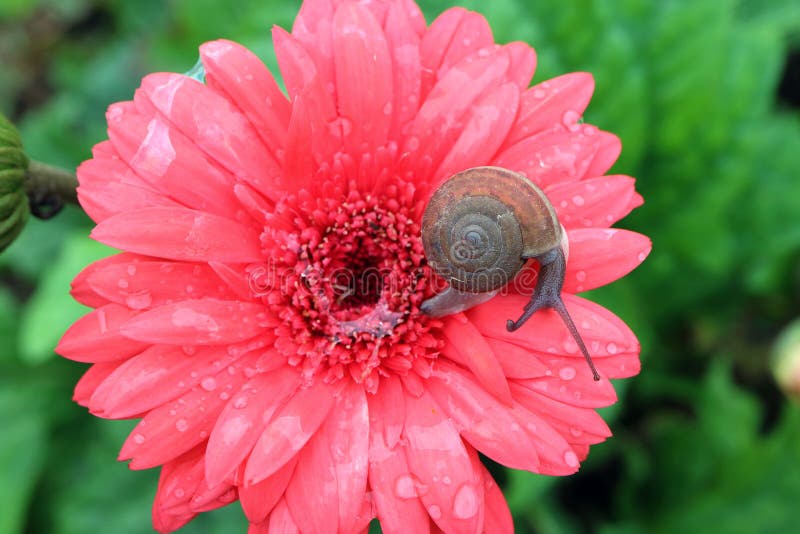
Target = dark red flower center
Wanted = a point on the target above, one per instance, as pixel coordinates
(354, 277)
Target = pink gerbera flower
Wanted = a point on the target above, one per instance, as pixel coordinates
(246, 326)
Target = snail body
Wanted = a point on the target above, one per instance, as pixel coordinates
(479, 229)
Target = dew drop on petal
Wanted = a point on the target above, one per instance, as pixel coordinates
(181, 425)
(567, 373)
(575, 431)
(122, 284)
(179, 492)
(138, 438)
(131, 270)
(208, 383)
(578, 200)
(413, 143)
(539, 93)
(571, 459)
(139, 300)
(612, 348)
(581, 276)
(465, 504)
(570, 119)
(404, 487)
(240, 402)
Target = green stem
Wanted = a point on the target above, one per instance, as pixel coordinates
(45, 179)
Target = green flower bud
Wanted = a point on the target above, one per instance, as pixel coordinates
(14, 207)
(786, 360)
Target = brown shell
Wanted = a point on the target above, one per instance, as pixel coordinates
(482, 224)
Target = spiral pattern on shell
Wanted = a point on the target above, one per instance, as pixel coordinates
(482, 224)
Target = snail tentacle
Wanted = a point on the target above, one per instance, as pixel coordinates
(547, 294)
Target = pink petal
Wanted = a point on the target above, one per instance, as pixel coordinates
(313, 30)
(199, 322)
(454, 35)
(492, 117)
(176, 427)
(577, 425)
(96, 337)
(83, 292)
(436, 454)
(158, 375)
(497, 518)
(556, 456)
(555, 156)
(258, 500)
(600, 256)
(363, 78)
(581, 390)
(303, 79)
(298, 164)
(331, 475)
(237, 73)
(91, 379)
(163, 157)
(608, 150)
(289, 430)
(450, 106)
(281, 521)
(214, 125)
(596, 202)
(393, 487)
(243, 418)
(602, 331)
(472, 349)
(403, 45)
(523, 63)
(168, 514)
(516, 361)
(485, 423)
(147, 284)
(106, 189)
(180, 234)
(549, 103)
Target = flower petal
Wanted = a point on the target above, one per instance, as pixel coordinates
(281, 521)
(600, 256)
(454, 35)
(179, 425)
(288, 431)
(96, 337)
(598, 202)
(394, 490)
(242, 420)
(403, 45)
(491, 118)
(484, 422)
(157, 375)
(497, 518)
(180, 234)
(331, 475)
(237, 73)
(83, 292)
(214, 125)
(258, 500)
(199, 322)
(91, 379)
(363, 78)
(516, 361)
(523, 63)
(142, 284)
(471, 348)
(436, 454)
(547, 104)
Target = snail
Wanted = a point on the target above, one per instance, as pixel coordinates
(479, 229)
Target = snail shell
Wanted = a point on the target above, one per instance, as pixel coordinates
(481, 226)
(479, 229)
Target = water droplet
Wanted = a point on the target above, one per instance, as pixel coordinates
(387, 108)
(122, 284)
(571, 459)
(578, 200)
(567, 373)
(131, 270)
(404, 487)
(181, 425)
(539, 93)
(208, 383)
(138, 438)
(179, 492)
(435, 512)
(413, 144)
(465, 504)
(575, 431)
(139, 300)
(642, 256)
(612, 348)
(224, 395)
(188, 350)
(588, 129)
(580, 276)
(446, 481)
(240, 402)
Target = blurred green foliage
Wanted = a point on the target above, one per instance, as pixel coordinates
(704, 440)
